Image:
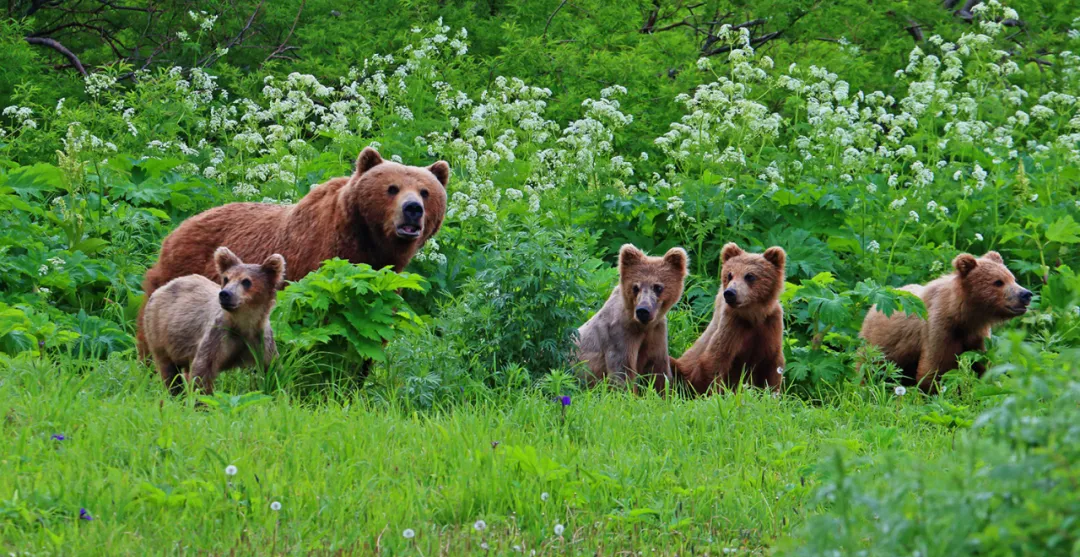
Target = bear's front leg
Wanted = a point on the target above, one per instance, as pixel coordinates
(714, 368)
(617, 361)
(208, 361)
(936, 358)
(771, 371)
(654, 359)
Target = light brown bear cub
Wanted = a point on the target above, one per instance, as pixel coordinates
(960, 309)
(628, 336)
(746, 335)
(193, 322)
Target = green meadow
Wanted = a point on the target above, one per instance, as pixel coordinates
(873, 144)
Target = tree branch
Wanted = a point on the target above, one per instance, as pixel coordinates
(552, 16)
(51, 43)
(283, 47)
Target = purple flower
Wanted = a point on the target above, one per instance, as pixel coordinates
(565, 400)
(85, 514)
(58, 437)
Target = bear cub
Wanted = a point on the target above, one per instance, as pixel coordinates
(746, 334)
(628, 336)
(196, 324)
(960, 309)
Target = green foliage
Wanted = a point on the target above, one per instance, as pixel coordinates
(872, 144)
(833, 319)
(1011, 478)
(534, 288)
(347, 310)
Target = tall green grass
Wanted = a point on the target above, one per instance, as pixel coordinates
(620, 473)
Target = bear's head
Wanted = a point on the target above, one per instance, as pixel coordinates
(989, 287)
(245, 286)
(751, 281)
(651, 285)
(403, 205)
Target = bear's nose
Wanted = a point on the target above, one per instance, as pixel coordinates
(413, 211)
(225, 298)
(1025, 296)
(729, 296)
(643, 315)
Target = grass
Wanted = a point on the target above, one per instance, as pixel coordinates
(623, 473)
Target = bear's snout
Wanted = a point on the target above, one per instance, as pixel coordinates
(413, 211)
(411, 219)
(1025, 296)
(731, 297)
(225, 298)
(643, 315)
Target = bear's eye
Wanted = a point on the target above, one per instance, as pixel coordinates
(750, 278)
(393, 190)
(246, 283)
(424, 194)
(658, 288)
(636, 289)
(224, 281)
(999, 283)
(730, 276)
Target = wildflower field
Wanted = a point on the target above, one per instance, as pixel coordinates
(873, 143)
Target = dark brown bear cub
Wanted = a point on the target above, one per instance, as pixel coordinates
(196, 324)
(746, 335)
(960, 307)
(628, 336)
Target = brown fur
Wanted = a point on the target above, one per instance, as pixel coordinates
(628, 336)
(194, 323)
(961, 307)
(356, 218)
(746, 334)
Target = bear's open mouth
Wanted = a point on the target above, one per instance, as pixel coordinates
(1018, 310)
(408, 230)
(229, 307)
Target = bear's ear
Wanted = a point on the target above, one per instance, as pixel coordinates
(225, 259)
(369, 158)
(994, 256)
(677, 259)
(730, 249)
(776, 256)
(629, 256)
(441, 170)
(964, 263)
(274, 267)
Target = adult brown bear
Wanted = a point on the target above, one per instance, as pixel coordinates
(381, 215)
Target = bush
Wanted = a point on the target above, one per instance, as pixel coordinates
(1008, 488)
(536, 286)
(346, 312)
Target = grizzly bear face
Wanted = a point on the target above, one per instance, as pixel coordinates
(650, 285)
(246, 286)
(751, 280)
(401, 204)
(989, 286)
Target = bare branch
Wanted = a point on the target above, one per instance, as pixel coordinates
(915, 28)
(650, 23)
(283, 46)
(550, 17)
(53, 44)
(753, 42)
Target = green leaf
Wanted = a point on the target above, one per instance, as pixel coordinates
(1064, 230)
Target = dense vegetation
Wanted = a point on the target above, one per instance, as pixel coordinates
(872, 143)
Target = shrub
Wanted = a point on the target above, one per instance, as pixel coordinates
(536, 286)
(346, 312)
